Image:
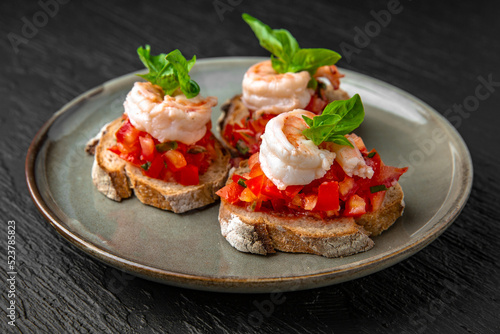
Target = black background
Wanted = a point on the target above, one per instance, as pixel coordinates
(434, 50)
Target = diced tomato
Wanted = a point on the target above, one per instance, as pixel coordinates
(255, 184)
(127, 134)
(254, 158)
(376, 200)
(187, 175)
(175, 160)
(355, 206)
(256, 171)
(278, 204)
(231, 192)
(347, 187)
(147, 147)
(328, 197)
(310, 201)
(291, 191)
(316, 104)
(247, 196)
(155, 168)
(270, 190)
(235, 177)
(141, 149)
(386, 175)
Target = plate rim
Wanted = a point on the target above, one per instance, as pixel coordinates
(235, 284)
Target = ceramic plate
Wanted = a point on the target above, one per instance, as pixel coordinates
(187, 249)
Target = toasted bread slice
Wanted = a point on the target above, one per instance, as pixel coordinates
(117, 179)
(265, 233)
(233, 111)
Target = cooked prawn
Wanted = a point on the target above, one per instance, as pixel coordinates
(331, 73)
(350, 158)
(266, 91)
(168, 118)
(287, 157)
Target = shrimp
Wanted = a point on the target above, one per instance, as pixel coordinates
(168, 118)
(287, 157)
(331, 73)
(350, 158)
(266, 91)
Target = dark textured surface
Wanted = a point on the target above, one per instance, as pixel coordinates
(436, 52)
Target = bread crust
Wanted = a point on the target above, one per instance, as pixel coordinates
(265, 233)
(117, 179)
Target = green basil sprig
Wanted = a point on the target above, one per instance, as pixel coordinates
(169, 71)
(287, 56)
(338, 119)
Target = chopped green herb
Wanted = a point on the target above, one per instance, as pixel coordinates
(339, 118)
(242, 183)
(166, 146)
(371, 154)
(196, 149)
(253, 206)
(376, 189)
(146, 166)
(242, 147)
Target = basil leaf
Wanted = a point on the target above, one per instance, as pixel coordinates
(311, 59)
(286, 54)
(338, 119)
(181, 68)
(339, 139)
(350, 111)
(265, 35)
(169, 71)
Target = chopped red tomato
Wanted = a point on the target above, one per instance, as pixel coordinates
(376, 200)
(328, 197)
(169, 161)
(270, 190)
(255, 184)
(187, 175)
(127, 134)
(247, 196)
(147, 147)
(176, 159)
(253, 160)
(153, 168)
(231, 192)
(355, 206)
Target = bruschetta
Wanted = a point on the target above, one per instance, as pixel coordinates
(313, 187)
(162, 148)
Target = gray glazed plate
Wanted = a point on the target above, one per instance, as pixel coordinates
(187, 249)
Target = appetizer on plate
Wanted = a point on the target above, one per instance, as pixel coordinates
(313, 187)
(293, 78)
(162, 148)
